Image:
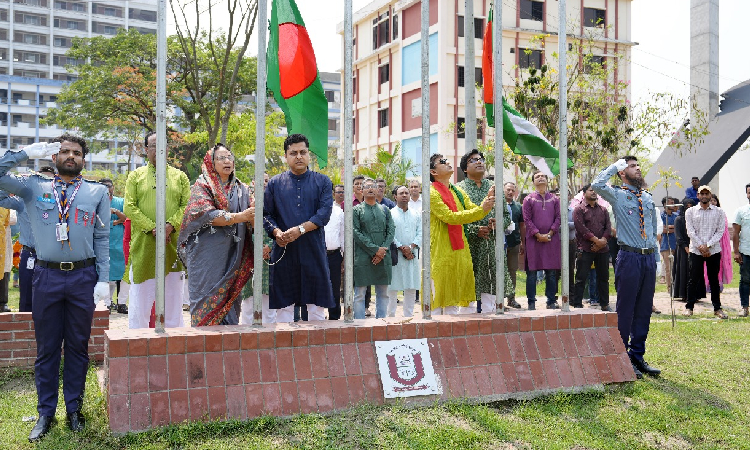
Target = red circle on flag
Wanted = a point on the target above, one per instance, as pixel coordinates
(297, 67)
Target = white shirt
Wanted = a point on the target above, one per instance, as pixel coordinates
(415, 205)
(334, 230)
(742, 218)
(705, 227)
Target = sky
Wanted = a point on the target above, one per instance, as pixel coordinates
(660, 61)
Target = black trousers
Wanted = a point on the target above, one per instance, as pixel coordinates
(334, 267)
(583, 267)
(713, 264)
(4, 289)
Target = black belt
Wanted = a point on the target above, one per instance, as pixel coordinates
(29, 249)
(67, 265)
(331, 252)
(642, 251)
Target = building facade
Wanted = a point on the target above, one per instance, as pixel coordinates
(387, 64)
(331, 82)
(34, 36)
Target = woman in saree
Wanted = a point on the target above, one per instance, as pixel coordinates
(215, 242)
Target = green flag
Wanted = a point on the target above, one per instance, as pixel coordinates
(293, 78)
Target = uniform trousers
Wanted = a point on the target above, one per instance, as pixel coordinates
(635, 281)
(63, 308)
(143, 296)
(25, 277)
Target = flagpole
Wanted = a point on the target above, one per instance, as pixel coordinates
(497, 103)
(470, 103)
(425, 250)
(348, 166)
(563, 125)
(260, 164)
(161, 161)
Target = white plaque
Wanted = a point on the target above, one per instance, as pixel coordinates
(416, 107)
(406, 368)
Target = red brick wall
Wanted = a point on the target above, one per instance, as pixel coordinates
(18, 345)
(214, 373)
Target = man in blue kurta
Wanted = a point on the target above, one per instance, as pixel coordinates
(297, 205)
(116, 252)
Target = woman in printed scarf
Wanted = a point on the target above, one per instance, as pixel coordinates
(215, 242)
(453, 287)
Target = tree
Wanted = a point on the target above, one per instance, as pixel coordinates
(389, 166)
(212, 66)
(601, 121)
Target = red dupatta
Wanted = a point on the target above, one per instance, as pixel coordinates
(455, 232)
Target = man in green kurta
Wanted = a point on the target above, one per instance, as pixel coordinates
(373, 233)
(480, 234)
(140, 207)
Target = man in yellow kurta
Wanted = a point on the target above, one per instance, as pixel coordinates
(450, 257)
(140, 207)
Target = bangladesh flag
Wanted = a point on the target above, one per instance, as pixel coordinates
(293, 78)
(521, 135)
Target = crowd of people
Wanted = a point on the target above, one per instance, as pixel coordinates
(79, 242)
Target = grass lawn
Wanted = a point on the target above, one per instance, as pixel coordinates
(702, 401)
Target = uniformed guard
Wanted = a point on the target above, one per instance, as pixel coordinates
(635, 270)
(69, 217)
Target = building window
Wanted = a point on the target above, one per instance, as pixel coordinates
(395, 27)
(478, 77)
(529, 58)
(532, 10)
(593, 17)
(62, 42)
(381, 31)
(461, 128)
(109, 29)
(329, 96)
(31, 20)
(383, 118)
(384, 73)
(354, 87)
(594, 62)
(333, 124)
(478, 27)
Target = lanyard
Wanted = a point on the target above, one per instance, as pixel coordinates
(68, 202)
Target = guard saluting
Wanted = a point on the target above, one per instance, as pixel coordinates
(70, 220)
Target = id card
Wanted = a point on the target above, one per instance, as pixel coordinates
(61, 232)
(30, 263)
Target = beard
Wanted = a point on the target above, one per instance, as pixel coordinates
(636, 181)
(62, 169)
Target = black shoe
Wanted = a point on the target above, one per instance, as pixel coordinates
(513, 303)
(532, 306)
(576, 306)
(644, 367)
(5, 308)
(607, 308)
(41, 428)
(553, 306)
(122, 309)
(76, 421)
(638, 373)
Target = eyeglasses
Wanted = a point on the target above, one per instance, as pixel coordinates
(476, 160)
(229, 158)
(443, 161)
(369, 186)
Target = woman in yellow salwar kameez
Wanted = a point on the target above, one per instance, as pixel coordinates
(450, 257)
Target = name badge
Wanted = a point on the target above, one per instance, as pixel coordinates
(30, 263)
(61, 232)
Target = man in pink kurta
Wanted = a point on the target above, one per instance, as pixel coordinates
(541, 213)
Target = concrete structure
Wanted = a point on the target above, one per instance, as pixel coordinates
(387, 106)
(34, 36)
(704, 56)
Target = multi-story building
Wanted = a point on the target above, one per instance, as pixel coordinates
(332, 87)
(387, 64)
(34, 36)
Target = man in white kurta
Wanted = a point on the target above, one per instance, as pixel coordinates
(406, 276)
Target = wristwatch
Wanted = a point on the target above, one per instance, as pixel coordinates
(302, 229)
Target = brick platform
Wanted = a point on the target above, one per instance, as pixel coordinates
(241, 372)
(18, 345)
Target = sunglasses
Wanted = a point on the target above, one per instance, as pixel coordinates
(443, 161)
(476, 160)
